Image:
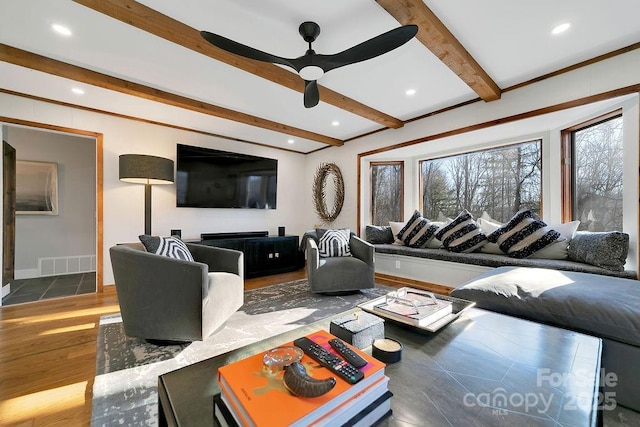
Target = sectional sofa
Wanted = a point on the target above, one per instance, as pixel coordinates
(589, 292)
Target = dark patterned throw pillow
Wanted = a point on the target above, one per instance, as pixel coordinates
(462, 234)
(523, 235)
(334, 243)
(417, 232)
(168, 246)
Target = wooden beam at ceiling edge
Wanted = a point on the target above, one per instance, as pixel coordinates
(152, 21)
(61, 69)
(439, 40)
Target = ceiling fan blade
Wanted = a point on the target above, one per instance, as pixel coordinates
(371, 48)
(311, 94)
(243, 50)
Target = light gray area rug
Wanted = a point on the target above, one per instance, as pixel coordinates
(127, 369)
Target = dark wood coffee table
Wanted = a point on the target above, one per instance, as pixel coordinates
(484, 369)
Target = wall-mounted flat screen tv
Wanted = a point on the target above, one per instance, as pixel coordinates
(207, 178)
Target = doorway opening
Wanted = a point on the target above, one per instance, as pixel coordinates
(56, 252)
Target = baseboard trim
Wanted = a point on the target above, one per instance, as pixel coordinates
(398, 282)
(27, 273)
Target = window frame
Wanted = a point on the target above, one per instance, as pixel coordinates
(567, 160)
(386, 163)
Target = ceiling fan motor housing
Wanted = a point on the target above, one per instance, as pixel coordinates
(309, 31)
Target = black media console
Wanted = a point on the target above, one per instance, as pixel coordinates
(263, 254)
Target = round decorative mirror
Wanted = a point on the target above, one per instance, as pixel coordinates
(328, 190)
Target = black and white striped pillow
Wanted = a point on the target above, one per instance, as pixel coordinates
(334, 243)
(523, 235)
(462, 234)
(168, 246)
(417, 232)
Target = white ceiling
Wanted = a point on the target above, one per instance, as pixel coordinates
(510, 39)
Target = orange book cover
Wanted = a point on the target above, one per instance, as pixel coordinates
(260, 399)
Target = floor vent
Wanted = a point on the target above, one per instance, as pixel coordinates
(66, 265)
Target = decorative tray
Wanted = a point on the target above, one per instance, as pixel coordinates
(459, 306)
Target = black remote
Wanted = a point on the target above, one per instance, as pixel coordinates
(342, 368)
(347, 353)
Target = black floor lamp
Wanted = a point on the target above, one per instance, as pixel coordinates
(147, 170)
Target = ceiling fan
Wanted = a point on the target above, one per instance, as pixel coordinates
(311, 66)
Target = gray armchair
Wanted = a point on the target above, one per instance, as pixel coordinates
(166, 299)
(336, 275)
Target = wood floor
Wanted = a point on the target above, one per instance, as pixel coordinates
(48, 356)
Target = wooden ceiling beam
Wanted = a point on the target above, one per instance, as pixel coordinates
(33, 61)
(154, 22)
(439, 40)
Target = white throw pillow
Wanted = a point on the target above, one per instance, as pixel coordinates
(462, 234)
(488, 226)
(559, 250)
(418, 231)
(334, 243)
(395, 229)
(524, 235)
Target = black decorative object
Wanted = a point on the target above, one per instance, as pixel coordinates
(311, 66)
(280, 231)
(147, 170)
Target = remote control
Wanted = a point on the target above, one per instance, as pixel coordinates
(347, 353)
(341, 367)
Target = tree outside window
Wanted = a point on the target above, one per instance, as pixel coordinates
(499, 181)
(386, 192)
(597, 166)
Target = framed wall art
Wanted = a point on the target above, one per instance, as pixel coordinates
(36, 188)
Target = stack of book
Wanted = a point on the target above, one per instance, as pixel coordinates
(414, 306)
(251, 396)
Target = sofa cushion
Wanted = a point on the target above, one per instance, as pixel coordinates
(417, 232)
(462, 234)
(378, 234)
(167, 246)
(334, 243)
(523, 235)
(606, 250)
(597, 305)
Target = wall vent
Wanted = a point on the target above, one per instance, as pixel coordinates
(66, 265)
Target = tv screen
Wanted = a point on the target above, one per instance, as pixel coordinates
(207, 178)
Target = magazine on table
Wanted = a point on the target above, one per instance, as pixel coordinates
(414, 305)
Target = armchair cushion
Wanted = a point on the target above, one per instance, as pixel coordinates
(167, 246)
(334, 243)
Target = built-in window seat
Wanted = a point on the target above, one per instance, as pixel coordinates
(596, 253)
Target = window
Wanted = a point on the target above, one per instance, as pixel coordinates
(592, 188)
(499, 181)
(386, 192)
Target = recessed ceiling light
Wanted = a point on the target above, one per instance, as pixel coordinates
(561, 28)
(290, 141)
(61, 29)
(410, 92)
(335, 123)
(77, 91)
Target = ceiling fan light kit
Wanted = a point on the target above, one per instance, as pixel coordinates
(312, 66)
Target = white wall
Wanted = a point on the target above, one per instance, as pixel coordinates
(124, 203)
(73, 231)
(614, 73)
